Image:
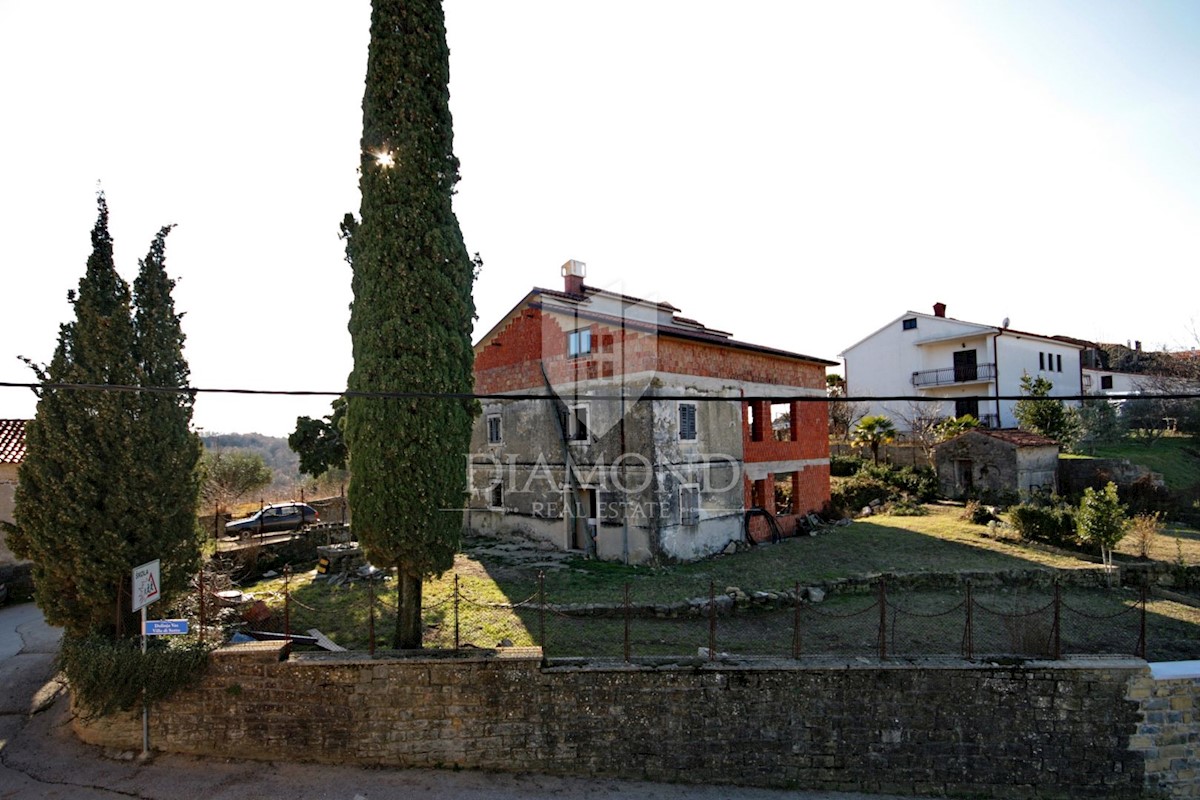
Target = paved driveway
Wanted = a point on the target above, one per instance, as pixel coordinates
(40, 758)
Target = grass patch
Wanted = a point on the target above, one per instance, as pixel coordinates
(496, 601)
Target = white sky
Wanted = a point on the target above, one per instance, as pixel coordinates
(797, 173)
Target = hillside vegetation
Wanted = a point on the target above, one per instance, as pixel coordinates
(1176, 458)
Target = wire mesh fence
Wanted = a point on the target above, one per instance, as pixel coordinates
(885, 622)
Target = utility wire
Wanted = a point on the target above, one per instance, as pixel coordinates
(415, 395)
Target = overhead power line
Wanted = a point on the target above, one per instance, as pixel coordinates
(415, 395)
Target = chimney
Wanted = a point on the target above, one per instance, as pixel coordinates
(573, 272)
(939, 309)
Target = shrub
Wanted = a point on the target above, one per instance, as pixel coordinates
(845, 466)
(1054, 525)
(1145, 529)
(849, 495)
(108, 676)
(977, 513)
(906, 506)
(920, 482)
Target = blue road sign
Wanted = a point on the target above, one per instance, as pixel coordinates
(165, 627)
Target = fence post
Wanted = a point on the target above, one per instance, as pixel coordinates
(542, 611)
(882, 620)
(1057, 631)
(203, 616)
(1141, 645)
(712, 621)
(796, 625)
(627, 651)
(969, 633)
(371, 614)
(456, 611)
(287, 602)
(217, 522)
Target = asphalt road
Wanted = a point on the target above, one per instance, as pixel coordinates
(40, 758)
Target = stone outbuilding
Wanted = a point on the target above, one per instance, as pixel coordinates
(999, 465)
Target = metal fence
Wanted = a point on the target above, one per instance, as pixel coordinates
(884, 623)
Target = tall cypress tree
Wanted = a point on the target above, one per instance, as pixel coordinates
(71, 500)
(168, 482)
(97, 492)
(412, 313)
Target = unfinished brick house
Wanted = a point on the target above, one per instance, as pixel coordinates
(618, 428)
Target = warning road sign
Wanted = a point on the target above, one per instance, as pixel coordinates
(145, 584)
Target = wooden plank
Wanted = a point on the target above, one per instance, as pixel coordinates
(324, 641)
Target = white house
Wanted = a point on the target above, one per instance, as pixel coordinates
(953, 367)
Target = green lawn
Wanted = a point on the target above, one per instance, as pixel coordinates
(482, 613)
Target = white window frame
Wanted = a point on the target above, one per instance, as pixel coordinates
(579, 343)
(499, 437)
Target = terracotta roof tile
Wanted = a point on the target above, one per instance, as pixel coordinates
(1018, 437)
(12, 441)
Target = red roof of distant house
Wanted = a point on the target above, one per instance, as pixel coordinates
(12, 441)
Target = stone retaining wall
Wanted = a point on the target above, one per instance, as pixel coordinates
(1040, 729)
(1168, 737)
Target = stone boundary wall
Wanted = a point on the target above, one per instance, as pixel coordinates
(1039, 729)
(1168, 737)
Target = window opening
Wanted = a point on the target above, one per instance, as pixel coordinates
(783, 493)
(781, 421)
(689, 505)
(577, 423)
(756, 423)
(579, 343)
(687, 421)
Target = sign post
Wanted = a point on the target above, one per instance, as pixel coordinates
(146, 582)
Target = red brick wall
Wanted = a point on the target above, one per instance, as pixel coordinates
(810, 494)
(809, 427)
(509, 361)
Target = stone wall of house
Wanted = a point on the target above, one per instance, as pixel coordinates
(994, 467)
(1038, 729)
(8, 488)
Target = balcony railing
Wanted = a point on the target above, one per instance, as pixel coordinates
(951, 375)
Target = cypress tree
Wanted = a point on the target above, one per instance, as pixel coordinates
(167, 449)
(97, 491)
(411, 317)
